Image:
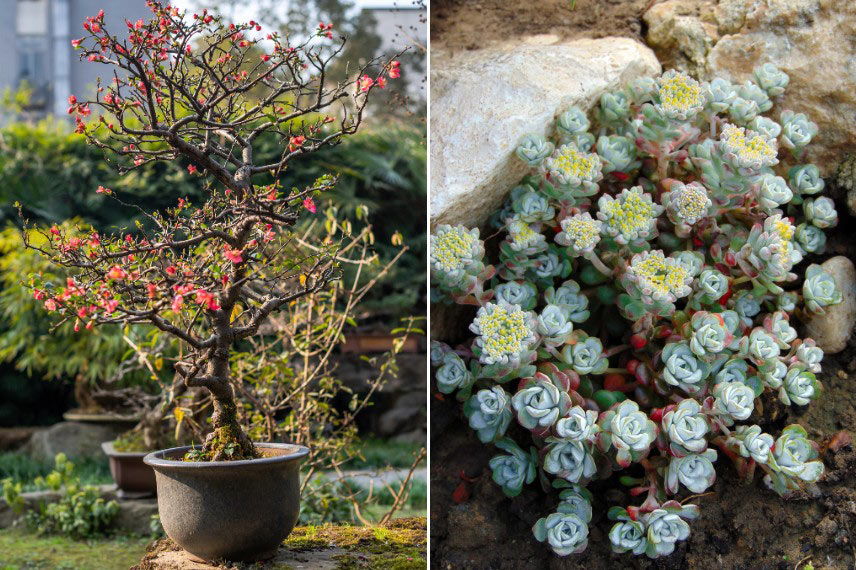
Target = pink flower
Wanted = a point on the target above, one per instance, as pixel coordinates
(170, 270)
(191, 169)
(233, 255)
(177, 302)
(75, 43)
(116, 272)
(381, 82)
(110, 306)
(50, 305)
(365, 82)
(55, 230)
(102, 190)
(152, 289)
(296, 142)
(72, 100)
(395, 70)
(81, 312)
(309, 204)
(38, 295)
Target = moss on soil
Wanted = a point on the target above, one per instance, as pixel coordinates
(399, 545)
(20, 550)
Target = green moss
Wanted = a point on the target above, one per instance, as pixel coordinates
(25, 551)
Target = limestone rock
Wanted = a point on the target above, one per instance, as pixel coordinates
(75, 439)
(832, 329)
(484, 101)
(730, 38)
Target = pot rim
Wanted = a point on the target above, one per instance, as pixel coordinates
(157, 459)
(110, 451)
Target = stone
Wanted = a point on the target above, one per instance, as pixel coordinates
(483, 101)
(75, 439)
(730, 38)
(407, 411)
(832, 330)
(15, 437)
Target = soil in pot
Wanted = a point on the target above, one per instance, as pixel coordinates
(232, 510)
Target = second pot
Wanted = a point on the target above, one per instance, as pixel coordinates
(234, 510)
(132, 476)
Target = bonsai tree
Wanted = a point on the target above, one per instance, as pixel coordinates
(186, 88)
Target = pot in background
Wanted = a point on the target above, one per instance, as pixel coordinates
(234, 510)
(133, 477)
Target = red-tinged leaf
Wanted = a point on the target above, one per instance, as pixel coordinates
(461, 494)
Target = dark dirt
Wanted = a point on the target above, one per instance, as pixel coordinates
(473, 24)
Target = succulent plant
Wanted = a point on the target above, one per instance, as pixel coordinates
(645, 297)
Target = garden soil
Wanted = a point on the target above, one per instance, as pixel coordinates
(742, 525)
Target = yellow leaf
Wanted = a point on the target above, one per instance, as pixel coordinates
(303, 280)
(178, 413)
(159, 364)
(236, 310)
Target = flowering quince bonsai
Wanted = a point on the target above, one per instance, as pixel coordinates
(639, 307)
(208, 274)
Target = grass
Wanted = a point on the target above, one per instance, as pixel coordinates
(24, 469)
(20, 550)
(378, 453)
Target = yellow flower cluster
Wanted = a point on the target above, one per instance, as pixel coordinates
(452, 248)
(573, 163)
(632, 214)
(749, 147)
(680, 94)
(665, 276)
(521, 234)
(583, 231)
(691, 202)
(503, 331)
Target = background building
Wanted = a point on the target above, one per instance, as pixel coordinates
(35, 46)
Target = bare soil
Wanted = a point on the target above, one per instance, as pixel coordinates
(474, 24)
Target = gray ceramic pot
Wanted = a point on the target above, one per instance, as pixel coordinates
(234, 510)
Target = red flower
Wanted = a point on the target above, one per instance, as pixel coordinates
(364, 83)
(170, 270)
(191, 169)
(102, 190)
(55, 230)
(116, 272)
(381, 82)
(177, 302)
(309, 204)
(395, 70)
(233, 255)
(50, 305)
(75, 43)
(296, 142)
(153, 289)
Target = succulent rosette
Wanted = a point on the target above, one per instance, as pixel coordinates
(683, 369)
(810, 354)
(656, 281)
(752, 443)
(554, 327)
(580, 234)
(530, 206)
(719, 93)
(771, 79)
(565, 533)
(769, 250)
(533, 149)
(572, 122)
(455, 254)
(819, 289)
(586, 356)
(573, 171)
(743, 111)
(454, 375)
(733, 401)
(759, 346)
(540, 401)
(579, 425)
(627, 429)
(806, 179)
(568, 459)
(521, 293)
(687, 204)
(746, 305)
(569, 297)
(666, 526)
(821, 212)
(772, 373)
(628, 535)
(797, 130)
(800, 386)
(752, 92)
(766, 127)
(514, 470)
(686, 426)
(614, 107)
(810, 238)
(712, 333)
(711, 285)
(746, 150)
(618, 153)
(629, 217)
(794, 458)
(779, 326)
(773, 192)
(489, 413)
(734, 369)
(524, 238)
(574, 499)
(694, 471)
